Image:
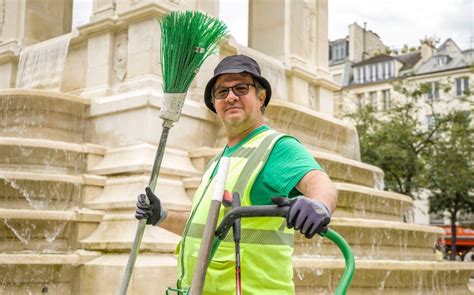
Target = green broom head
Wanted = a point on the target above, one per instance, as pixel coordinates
(187, 39)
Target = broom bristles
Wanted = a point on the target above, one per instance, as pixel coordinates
(187, 39)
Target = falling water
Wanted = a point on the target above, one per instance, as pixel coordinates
(41, 65)
(23, 234)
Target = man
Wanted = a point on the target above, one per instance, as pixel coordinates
(263, 164)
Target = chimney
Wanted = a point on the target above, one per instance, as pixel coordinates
(427, 50)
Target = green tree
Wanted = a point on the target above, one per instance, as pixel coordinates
(450, 177)
(394, 138)
(437, 158)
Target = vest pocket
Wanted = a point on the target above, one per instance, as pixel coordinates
(220, 277)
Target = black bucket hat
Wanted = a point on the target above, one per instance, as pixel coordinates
(235, 64)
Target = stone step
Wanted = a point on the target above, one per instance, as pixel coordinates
(72, 258)
(321, 276)
(332, 135)
(138, 159)
(116, 233)
(43, 114)
(108, 269)
(350, 171)
(374, 239)
(121, 193)
(42, 273)
(40, 155)
(45, 230)
(362, 202)
(338, 168)
(353, 201)
(33, 190)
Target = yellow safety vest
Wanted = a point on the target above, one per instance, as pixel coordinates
(266, 244)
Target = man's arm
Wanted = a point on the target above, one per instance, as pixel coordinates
(156, 214)
(317, 185)
(175, 222)
(311, 213)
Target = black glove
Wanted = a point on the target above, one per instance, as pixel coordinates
(153, 212)
(307, 215)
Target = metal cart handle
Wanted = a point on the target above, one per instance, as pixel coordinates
(274, 210)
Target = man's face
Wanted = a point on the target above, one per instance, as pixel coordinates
(241, 110)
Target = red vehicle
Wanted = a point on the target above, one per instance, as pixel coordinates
(464, 240)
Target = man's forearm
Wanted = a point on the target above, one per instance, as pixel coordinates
(175, 222)
(317, 185)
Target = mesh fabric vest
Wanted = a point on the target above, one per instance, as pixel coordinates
(266, 243)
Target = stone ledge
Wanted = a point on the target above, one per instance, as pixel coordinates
(82, 215)
(53, 144)
(84, 179)
(421, 277)
(359, 201)
(117, 233)
(76, 258)
(43, 93)
(139, 158)
(339, 168)
(121, 193)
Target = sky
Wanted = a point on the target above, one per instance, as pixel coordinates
(397, 22)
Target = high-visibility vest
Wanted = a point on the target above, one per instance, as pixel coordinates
(266, 244)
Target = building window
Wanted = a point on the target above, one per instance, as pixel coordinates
(462, 86)
(380, 71)
(338, 51)
(430, 122)
(386, 67)
(433, 91)
(367, 74)
(373, 99)
(360, 100)
(386, 99)
(391, 72)
(441, 60)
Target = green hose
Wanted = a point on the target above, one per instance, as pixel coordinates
(346, 278)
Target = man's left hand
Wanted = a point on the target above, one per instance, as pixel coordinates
(309, 216)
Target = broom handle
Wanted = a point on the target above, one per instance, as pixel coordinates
(197, 283)
(167, 124)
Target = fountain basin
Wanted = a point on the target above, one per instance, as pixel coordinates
(375, 239)
(25, 273)
(363, 202)
(45, 231)
(320, 276)
(31, 190)
(41, 155)
(42, 114)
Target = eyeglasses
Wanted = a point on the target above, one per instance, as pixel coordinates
(238, 90)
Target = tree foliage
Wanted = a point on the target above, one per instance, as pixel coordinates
(436, 159)
(450, 177)
(394, 138)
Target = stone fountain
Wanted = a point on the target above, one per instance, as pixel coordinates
(79, 132)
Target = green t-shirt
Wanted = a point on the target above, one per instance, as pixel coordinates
(288, 162)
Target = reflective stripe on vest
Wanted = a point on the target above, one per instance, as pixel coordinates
(270, 273)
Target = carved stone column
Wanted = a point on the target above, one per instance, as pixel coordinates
(295, 32)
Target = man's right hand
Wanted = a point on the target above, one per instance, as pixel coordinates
(153, 212)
